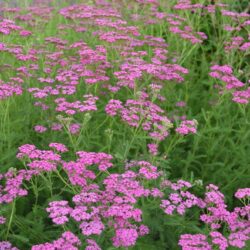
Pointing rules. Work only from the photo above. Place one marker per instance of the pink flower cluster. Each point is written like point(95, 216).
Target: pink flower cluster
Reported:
point(243, 193)
point(215, 215)
point(180, 199)
point(9, 89)
point(237, 42)
point(134, 68)
point(153, 148)
point(14, 181)
point(77, 171)
point(7, 26)
point(92, 245)
point(114, 204)
point(72, 108)
point(242, 96)
point(40, 129)
point(40, 160)
point(196, 241)
point(225, 74)
point(67, 241)
point(59, 147)
point(187, 127)
point(237, 221)
point(146, 169)
point(6, 245)
point(58, 211)
point(186, 32)
point(142, 113)
point(2, 220)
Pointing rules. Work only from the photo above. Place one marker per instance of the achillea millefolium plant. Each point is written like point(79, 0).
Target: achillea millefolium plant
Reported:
point(124, 124)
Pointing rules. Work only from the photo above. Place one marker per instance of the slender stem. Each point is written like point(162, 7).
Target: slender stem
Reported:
point(11, 218)
point(62, 179)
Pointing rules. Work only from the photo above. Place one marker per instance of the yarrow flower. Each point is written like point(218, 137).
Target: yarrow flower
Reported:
point(131, 75)
point(6, 245)
point(92, 245)
point(74, 128)
point(59, 211)
point(187, 127)
point(142, 113)
point(92, 227)
point(67, 241)
point(40, 129)
point(125, 237)
point(180, 199)
point(225, 74)
point(58, 147)
point(2, 220)
point(242, 193)
point(153, 148)
point(196, 241)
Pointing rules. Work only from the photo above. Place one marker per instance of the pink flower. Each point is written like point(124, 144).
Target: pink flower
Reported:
point(153, 149)
point(242, 193)
point(195, 241)
point(67, 241)
point(59, 211)
point(92, 227)
point(40, 129)
point(6, 245)
point(187, 127)
point(56, 126)
point(92, 245)
point(74, 128)
point(125, 237)
point(2, 220)
point(59, 147)
point(25, 33)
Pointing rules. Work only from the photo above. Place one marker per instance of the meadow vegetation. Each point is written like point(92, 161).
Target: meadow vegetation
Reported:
point(124, 124)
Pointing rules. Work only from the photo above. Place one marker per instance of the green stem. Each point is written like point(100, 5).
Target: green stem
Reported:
point(11, 218)
point(62, 179)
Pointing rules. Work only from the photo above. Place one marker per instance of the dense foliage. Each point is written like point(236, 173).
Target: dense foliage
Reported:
point(124, 124)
